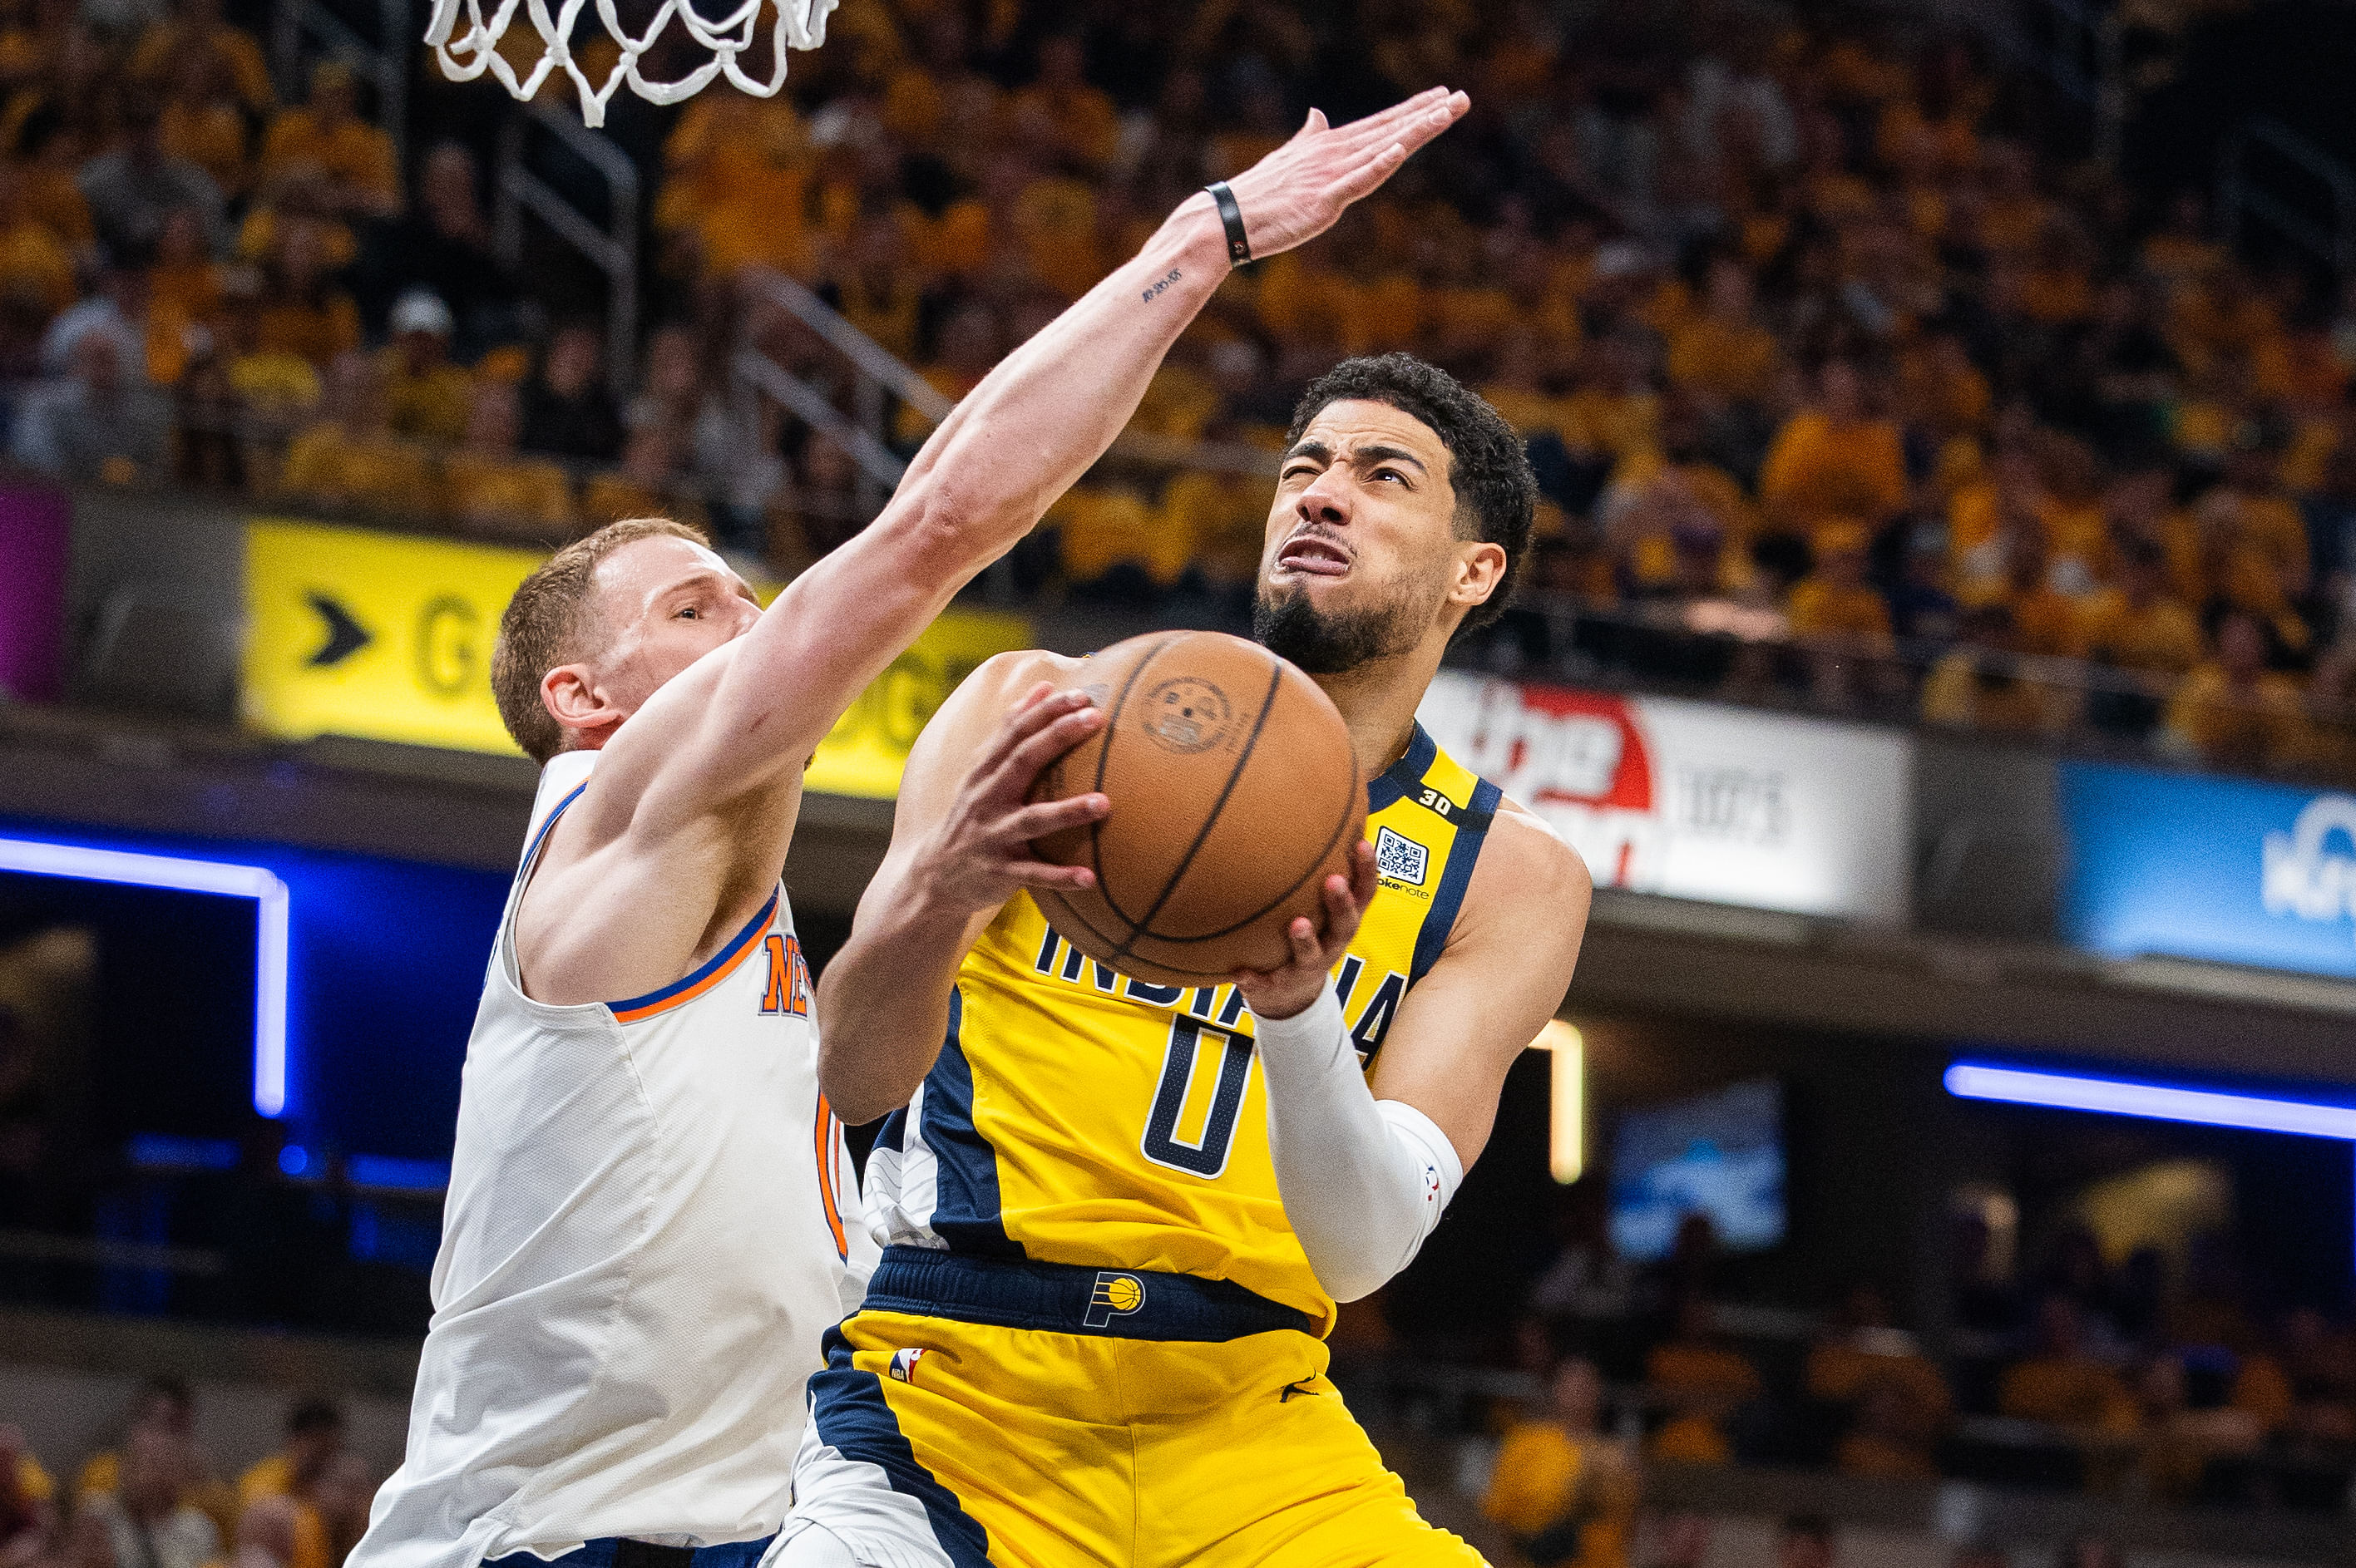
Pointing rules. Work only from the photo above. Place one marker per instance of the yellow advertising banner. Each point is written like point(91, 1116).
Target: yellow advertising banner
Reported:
point(869, 745)
point(386, 637)
point(381, 635)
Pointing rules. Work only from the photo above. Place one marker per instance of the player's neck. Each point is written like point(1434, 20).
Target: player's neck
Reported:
point(1378, 699)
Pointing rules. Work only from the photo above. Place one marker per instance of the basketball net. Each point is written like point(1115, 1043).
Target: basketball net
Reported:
point(800, 23)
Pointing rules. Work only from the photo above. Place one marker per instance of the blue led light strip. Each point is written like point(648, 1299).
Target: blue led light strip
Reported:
point(2159, 1102)
point(82, 863)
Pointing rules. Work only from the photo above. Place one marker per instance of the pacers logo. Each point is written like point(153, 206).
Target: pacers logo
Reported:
point(1116, 1296)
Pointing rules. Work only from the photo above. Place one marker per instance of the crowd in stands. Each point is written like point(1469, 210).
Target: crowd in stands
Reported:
point(151, 1497)
point(2120, 1380)
point(1838, 379)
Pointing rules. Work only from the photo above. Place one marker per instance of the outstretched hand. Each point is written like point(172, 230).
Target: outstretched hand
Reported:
point(1297, 191)
point(1280, 993)
point(981, 853)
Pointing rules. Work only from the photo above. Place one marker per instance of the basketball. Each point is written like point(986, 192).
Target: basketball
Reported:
point(1234, 794)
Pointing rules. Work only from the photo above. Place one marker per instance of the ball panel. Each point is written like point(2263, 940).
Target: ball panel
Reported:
point(1290, 809)
point(1235, 792)
point(1171, 743)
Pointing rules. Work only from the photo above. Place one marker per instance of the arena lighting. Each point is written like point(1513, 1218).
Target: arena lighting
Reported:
point(82, 863)
point(2159, 1102)
point(1566, 1123)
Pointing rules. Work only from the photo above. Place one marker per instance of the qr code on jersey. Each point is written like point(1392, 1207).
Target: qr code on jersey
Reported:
point(1399, 858)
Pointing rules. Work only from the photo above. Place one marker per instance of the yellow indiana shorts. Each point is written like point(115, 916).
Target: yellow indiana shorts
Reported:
point(940, 1443)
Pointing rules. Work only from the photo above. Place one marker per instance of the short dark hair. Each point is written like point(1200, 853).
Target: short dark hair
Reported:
point(1496, 494)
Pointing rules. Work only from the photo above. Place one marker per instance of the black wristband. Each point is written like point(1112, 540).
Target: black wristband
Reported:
point(1232, 216)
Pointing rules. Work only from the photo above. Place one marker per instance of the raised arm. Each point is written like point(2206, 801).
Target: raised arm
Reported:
point(1017, 442)
point(960, 847)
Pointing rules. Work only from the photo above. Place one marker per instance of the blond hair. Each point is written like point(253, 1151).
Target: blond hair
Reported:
point(542, 628)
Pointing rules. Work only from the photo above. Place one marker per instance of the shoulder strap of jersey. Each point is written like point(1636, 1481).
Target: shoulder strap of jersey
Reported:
point(1467, 803)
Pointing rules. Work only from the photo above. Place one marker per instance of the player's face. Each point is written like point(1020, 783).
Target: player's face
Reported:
point(668, 602)
point(1361, 540)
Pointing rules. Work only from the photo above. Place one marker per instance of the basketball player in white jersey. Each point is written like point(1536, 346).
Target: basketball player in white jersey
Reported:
point(645, 1231)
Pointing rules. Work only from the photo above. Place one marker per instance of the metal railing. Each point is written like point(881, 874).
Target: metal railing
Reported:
point(877, 375)
point(877, 378)
point(2250, 165)
point(301, 28)
point(612, 248)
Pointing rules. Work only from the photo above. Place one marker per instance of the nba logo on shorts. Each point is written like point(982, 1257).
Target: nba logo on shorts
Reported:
point(904, 1365)
point(1116, 1296)
point(1399, 857)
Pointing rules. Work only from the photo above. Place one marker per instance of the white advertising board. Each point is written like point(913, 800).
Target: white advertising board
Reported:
point(1695, 800)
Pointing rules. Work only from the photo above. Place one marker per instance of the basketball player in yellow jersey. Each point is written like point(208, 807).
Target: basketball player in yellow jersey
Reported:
point(1118, 1216)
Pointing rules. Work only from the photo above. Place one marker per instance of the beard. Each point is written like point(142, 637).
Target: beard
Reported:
point(1331, 641)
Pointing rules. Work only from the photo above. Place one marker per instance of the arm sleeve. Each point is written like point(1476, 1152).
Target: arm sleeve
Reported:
point(1364, 1180)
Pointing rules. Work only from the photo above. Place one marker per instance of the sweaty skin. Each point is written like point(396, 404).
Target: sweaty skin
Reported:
point(1363, 516)
point(706, 707)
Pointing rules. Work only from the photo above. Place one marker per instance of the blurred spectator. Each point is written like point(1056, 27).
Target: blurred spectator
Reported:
point(442, 245)
point(355, 457)
point(1897, 1401)
point(427, 397)
point(270, 1534)
point(486, 481)
point(164, 1405)
point(280, 1495)
point(2135, 623)
point(28, 1517)
point(148, 1517)
point(344, 1494)
point(303, 311)
point(1834, 461)
point(270, 383)
point(567, 410)
point(1726, 353)
point(1701, 1382)
point(1835, 603)
point(2178, 1440)
point(118, 311)
point(2233, 712)
point(132, 189)
point(35, 267)
point(1978, 1557)
point(102, 425)
point(203, 123)
point(85, 1542)
point(1979, 685)
point(648, 484)
point(1564, 1491)
point(197, 28)
point(327, 138)
point(2059, 1383)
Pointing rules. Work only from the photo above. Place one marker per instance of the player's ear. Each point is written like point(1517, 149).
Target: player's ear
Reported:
point(1480, 572)
point(570, 694)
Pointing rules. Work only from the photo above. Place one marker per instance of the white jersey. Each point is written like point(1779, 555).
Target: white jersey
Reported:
point(652, 1220)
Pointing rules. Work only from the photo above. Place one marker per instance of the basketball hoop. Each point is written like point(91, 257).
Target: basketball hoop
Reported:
point(800, 23)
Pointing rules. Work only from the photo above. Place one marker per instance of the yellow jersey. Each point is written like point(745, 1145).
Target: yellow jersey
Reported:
point(1076, 1115)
